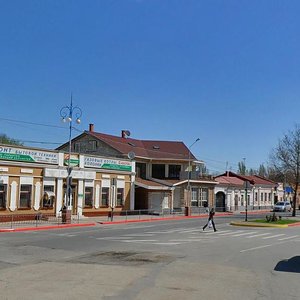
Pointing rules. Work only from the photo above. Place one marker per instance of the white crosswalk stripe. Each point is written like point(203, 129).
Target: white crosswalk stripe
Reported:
point(288, 238)
point(273, 236)
point(257, 235)
point(244, 233)
point(230, 232)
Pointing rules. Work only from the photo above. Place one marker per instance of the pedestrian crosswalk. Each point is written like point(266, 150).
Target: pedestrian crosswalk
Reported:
point(177, 236)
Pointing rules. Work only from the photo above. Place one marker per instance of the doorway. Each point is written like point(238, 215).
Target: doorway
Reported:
point(220, 201)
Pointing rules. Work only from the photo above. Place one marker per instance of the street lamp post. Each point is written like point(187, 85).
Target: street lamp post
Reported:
point(67, 113)
point(188, 183)
point(247, 186)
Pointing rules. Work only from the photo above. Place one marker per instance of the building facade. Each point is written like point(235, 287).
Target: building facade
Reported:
point(35, 180)
point(236, 192)
point(165, 170)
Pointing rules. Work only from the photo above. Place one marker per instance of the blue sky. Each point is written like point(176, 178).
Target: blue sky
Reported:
point(224, 71)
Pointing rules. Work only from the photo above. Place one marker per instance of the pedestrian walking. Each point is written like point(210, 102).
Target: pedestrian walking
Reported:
point(210, 220)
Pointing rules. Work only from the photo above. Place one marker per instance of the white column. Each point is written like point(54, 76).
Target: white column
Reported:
point(132, 187)
point(59, 196)
point(81, 161)
point(37, 196)
point(13, 196)
point(97, 196)
point(80, 197)
point(61, 157)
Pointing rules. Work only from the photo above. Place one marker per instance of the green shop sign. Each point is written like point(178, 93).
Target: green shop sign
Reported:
point(74, 160)
point(27, 155)
point(110, 164)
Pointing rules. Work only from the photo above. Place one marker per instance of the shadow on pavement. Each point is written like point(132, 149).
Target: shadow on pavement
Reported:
point(289, 265)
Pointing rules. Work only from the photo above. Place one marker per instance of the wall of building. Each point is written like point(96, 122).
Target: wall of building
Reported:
point(30, 177)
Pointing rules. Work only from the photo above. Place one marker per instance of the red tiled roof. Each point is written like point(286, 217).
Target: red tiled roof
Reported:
point(230, 180)
point(146, 148)
point(253, 179)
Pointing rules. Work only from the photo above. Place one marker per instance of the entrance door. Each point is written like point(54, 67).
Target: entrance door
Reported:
point(158, 201)
point(220, 201)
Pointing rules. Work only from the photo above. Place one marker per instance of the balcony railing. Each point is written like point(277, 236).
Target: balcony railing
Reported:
point(195, 175)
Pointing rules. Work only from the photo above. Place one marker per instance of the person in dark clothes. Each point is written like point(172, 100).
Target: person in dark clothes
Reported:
point(211, 219)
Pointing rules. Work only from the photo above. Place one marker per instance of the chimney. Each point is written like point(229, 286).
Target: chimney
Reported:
point(91, 127)
point(123, 134)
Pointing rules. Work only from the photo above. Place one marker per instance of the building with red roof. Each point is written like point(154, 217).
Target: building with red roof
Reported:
point(163, 169)
point(230, 194)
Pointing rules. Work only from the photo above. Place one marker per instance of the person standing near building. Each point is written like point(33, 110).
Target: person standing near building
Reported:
point(210, 220)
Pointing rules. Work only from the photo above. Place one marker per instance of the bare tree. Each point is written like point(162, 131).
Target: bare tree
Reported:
point(285, 159)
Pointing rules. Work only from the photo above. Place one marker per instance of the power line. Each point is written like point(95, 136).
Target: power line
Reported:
point(32, 123)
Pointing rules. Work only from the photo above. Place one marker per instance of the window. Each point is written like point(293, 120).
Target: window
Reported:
point(174, 171)
point(93, 145)
point(120, 196)
point(48, 200)
point(141, 170)
point(269, 197)
point(25, 195)
point(88, 196)
point(158, 171)
point(194, 198)
point(256, 196)
point(2, 196)
point(199, 197)
point(105, 196)
point(261, 197)
point(77, 147)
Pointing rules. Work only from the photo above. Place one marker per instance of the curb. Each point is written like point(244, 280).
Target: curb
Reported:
point(160, 219)
point(256, 212)
point(47, 227)
point(254, 224)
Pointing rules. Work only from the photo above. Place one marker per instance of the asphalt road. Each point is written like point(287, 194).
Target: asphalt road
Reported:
point(155, 260)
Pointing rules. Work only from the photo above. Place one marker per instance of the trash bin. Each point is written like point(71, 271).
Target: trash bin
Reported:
point(66, 216)
point(187, 211)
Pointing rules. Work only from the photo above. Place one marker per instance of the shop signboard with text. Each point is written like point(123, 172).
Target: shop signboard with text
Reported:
point(106, 163)
point(28, 155)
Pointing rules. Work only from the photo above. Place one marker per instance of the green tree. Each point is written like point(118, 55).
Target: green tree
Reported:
point(4, 139)
point(285, 160)
point(242, 168)
point(262, 171)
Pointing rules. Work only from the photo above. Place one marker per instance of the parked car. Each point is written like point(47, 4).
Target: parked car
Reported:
point(282, 206)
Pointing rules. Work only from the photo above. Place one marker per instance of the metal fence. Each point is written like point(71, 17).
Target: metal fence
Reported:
point(32, 220)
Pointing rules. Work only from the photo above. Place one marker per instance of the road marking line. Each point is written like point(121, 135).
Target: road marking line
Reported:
point(137, 235)
point(231, 232)
point(137, 241)
point(166, 244)
point(273, 236)
point(257, 235)
point(245, 233)
point(191, 230)
point(255, 248)
point(112, 238)
point(179, 240)
point(287, 238)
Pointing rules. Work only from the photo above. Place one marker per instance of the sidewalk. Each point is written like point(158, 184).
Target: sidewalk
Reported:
point(117, 219)
point(102, 220)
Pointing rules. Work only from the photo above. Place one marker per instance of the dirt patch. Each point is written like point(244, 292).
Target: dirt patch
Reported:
point(123, 258)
